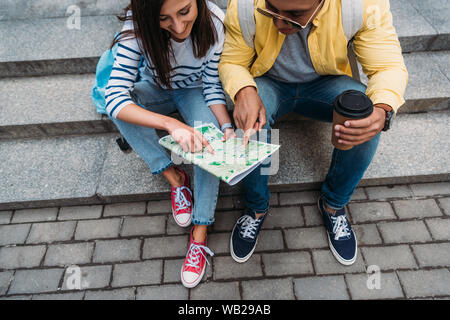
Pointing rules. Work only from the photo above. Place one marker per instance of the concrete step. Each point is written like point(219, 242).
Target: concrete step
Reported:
point(91, 169)
point(43, 9)
point(61, 105)
point(45, 45)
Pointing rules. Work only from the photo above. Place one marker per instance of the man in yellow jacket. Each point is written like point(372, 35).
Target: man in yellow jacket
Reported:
point(299, 63)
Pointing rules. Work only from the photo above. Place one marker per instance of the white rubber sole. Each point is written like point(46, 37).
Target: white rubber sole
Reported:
point(196, 282)
point(338, 257)
point(237, 259)
point(180, 224)
point(334, 252)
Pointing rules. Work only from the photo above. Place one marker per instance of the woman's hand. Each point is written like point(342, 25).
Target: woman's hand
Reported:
point(229, 133)
point(188, 138)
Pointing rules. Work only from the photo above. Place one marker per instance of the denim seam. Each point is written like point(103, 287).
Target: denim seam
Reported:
point(163, 168)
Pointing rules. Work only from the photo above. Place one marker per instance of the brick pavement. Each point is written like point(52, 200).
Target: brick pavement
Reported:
point(135, 250)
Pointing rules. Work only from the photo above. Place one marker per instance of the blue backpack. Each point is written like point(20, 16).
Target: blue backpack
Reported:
point(102, 74)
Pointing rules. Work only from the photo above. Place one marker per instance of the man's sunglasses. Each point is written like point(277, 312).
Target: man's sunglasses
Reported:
point(289, 22)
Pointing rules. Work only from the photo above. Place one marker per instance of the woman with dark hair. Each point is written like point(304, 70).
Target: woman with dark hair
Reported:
point(181, 42)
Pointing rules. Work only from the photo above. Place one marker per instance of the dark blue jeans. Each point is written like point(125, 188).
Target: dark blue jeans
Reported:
point(313, 100)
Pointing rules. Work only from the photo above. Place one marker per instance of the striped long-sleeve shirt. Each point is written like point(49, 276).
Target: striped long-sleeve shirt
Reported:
point(187, 71)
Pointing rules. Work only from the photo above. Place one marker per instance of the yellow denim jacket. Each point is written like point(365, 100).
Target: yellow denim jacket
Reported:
point(376, 46)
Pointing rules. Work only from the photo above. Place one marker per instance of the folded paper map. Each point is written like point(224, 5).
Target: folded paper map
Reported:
point(231, 162)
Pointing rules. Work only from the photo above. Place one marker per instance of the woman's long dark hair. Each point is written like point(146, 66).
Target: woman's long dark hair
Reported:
point(156, 41)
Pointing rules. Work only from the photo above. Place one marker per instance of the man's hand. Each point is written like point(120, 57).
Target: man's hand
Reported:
point(355, 132)
point(249, 112)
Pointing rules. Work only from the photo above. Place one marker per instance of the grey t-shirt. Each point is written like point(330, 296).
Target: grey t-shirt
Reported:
point(293, 64)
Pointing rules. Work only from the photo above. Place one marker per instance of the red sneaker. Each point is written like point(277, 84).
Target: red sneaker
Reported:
point(194, 265)
point(182, 201)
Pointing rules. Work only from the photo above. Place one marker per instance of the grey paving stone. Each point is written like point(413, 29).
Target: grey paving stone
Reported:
point(172, 269)
point(227, 268)
point(5, 279)
point(303, 197)
point(69, 254)
point(359, 194)
point(118, 294)
point(165, 247)
point(367, 234)
point(386, 192)
point(117, 250)
point(445, 205)
point(363, 287)
point(290, 263)
point(51, 232)
point(80, 212)
point(60, 296)
point(174, 229)
point(35, 281)
point(439, 228)
point(268, 240)
point(312, 216)
point(321, 288)
point(216, 291)
point(284, 217)
point(306, 238)
point(123, 209)
point(220, 242)
point(238, 202)
point(139, 273)
point(34, 215)
point(404, 232)
point(164, 292)
point(78, 159)
point(5, 217)
point(143, 226)
point(431, 189)
point(273, 201)
point(425, 283)
point(273, 289)
point(432, 254)
point(97, 229)
point(406, 209)
point(21, 257)
point(92, 277)
point(390, 258)
point(371, 211)
point(159, 206)
point(17, 298)
point(226, 220)
point(13, 234)
point(326, 263)
point(225, 203)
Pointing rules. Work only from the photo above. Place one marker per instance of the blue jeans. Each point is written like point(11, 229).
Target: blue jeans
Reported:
point(191, 104)
point(313, 100)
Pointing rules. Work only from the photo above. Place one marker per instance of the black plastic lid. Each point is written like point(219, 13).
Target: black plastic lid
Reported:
point(353, 104)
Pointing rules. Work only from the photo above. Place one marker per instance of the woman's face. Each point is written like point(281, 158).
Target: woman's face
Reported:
point(178, 17)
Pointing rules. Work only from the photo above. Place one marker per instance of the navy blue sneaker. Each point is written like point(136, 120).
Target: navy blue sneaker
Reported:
point(245, 236)
point(341, 237)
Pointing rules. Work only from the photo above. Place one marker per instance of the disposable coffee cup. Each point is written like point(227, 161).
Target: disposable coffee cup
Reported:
point(349, 105)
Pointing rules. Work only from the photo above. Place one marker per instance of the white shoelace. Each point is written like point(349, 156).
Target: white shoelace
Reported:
point(249, 226)
point(180, 198)
point(340, 227)
point(194, 252)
